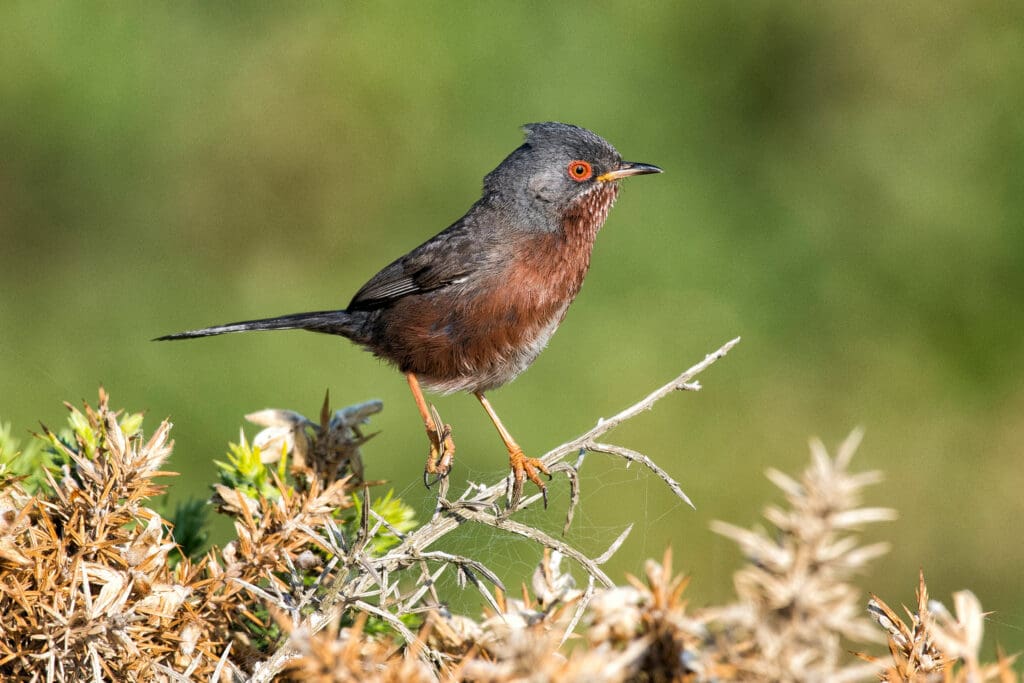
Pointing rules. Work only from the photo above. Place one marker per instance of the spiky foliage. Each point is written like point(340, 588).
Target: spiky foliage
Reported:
point(321, 584)
point(86, 585)
point(640, 632)
point(796, 603)
point(31, 463)
point(89, 589)
point(517, 639)
point(337, 655)
point(289, 522)
point(653, 614)
point(937, 646)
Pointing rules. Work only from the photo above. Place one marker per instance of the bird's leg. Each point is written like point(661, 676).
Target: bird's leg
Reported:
point(523, 468)
point(442, 448)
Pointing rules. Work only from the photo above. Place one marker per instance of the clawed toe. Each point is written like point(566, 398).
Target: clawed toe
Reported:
point(431, 478)
point(442, 450)
point(524, 468)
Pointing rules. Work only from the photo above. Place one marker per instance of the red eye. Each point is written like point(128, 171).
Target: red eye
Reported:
point(580, 171)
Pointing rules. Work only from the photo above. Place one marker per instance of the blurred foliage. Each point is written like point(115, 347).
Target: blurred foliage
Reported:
point(245, 470)
point(843, 188)
point(189, 521)
point(38, 460)
point(29, 463)
point(399, 517)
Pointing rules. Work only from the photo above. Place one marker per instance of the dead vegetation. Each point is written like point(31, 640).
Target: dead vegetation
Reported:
point(323, 583)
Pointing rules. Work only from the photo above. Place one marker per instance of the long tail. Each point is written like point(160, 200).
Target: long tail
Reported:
point(329, 322)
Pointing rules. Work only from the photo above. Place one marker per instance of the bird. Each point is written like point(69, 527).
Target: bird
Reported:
point(472, 307)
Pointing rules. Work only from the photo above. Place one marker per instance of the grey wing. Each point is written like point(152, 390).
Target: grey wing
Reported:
point(439, 262)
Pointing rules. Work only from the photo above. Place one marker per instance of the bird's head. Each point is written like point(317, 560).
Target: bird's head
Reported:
point(556, 167)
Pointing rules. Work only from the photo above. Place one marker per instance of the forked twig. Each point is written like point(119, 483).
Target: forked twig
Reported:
point(479, 504)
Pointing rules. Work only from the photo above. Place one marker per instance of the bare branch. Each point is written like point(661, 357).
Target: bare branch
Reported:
point(442, 523)
point(634, 456)
point(479, 504)
point(614, 547)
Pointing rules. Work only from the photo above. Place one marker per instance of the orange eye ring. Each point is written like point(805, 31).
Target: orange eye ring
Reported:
point(580, 170)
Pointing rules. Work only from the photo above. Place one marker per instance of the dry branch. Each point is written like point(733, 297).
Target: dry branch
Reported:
point(480, 504)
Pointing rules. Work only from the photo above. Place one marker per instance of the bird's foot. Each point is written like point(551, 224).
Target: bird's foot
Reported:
point(524, 468)
point(442, 450)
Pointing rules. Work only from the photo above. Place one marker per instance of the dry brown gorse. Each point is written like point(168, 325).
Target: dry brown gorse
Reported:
point(935, 645)
point(324, 582)
point(796, 604)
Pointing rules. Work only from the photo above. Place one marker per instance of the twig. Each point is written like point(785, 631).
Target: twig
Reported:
point(427, 654)
point(578, 612)
point(443, 524)
point(614, 547)
point(572, 473)
point(538, 536)
point(634, 456)
point(473, 506)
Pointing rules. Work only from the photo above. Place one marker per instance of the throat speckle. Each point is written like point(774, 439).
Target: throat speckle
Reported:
point(548, 268)
point(585, 216)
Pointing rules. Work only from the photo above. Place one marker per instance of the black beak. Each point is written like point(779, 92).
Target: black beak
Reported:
point(626, 169)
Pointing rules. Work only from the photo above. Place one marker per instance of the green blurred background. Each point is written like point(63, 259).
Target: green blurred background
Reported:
point(843, 189)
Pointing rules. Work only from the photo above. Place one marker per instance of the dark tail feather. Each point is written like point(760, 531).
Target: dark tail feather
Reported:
point(328, 322)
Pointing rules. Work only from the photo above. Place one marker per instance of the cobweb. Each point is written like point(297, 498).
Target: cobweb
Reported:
point(612, 498)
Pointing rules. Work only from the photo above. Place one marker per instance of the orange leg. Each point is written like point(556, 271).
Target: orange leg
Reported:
point(523, 468)
point(442, 448)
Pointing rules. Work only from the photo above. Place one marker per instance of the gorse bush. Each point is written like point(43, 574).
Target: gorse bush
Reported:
point(323, 581)
point(97, 584)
